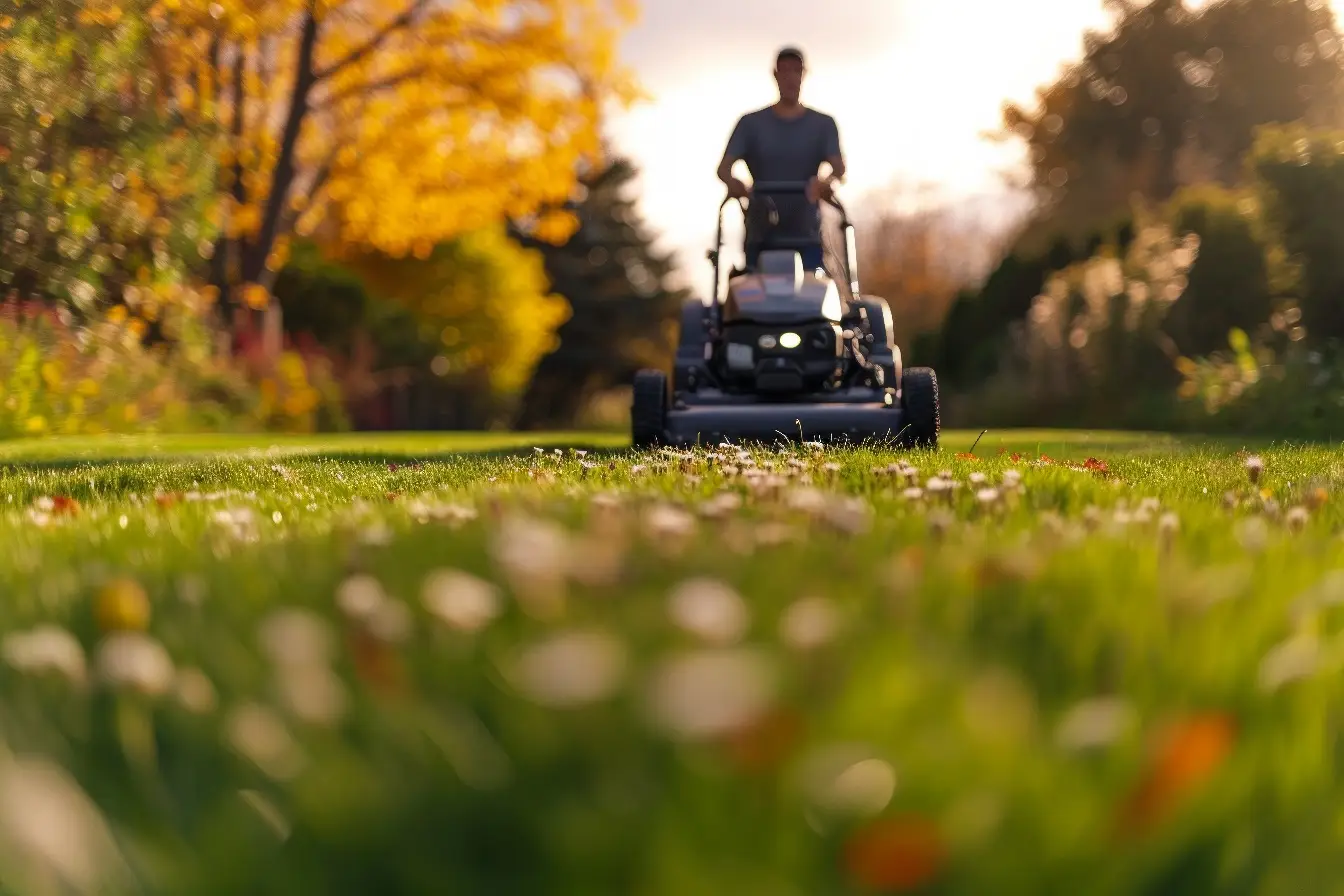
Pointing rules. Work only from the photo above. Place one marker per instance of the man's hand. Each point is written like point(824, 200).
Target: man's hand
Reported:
point(818, 189)
point(737, 189)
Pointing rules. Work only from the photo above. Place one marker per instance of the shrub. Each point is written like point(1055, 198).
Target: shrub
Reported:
point(1275, 385)
point(1241, 274)
point(57, 378)
point(1092, 349)
point(1299, 175)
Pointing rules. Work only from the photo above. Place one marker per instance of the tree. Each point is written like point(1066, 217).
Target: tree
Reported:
point(390, 125)
point(102, 193)
point(481, 301)
point(1170, 97)
point(917, 255)
point(624, 317)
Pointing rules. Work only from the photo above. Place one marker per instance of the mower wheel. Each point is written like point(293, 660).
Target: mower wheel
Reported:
point(648, 409)
point(919, 400)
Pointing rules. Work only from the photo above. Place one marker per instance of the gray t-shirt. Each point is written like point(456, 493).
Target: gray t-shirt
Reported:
point(784, 149)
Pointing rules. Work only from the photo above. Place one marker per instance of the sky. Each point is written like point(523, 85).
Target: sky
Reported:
point(913, 84)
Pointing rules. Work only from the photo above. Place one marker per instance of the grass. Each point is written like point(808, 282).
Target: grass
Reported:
point(70, 450)
point(411, 663)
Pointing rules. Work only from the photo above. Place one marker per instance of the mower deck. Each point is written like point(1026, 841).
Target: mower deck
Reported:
point(792, 421)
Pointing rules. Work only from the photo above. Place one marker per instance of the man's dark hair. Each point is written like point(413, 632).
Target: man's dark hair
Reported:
point(790, 53)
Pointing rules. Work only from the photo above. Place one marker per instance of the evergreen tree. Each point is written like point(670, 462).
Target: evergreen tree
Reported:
point(623, 314)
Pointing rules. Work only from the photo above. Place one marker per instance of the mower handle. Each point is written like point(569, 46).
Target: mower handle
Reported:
point(786, 188)
point(780, 187)
point(768, 187)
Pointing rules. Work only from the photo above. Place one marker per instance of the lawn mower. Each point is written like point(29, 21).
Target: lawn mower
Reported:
point(787, 353)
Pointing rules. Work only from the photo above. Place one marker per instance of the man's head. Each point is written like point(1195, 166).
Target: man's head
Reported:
point(789, 70)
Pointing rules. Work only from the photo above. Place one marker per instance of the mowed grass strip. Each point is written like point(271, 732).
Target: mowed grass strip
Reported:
point(1103, 663)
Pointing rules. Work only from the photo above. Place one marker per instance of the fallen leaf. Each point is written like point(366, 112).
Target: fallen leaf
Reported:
point(895, 854)
point(766, 743)
point(1186, 757)
point(376, 663)
point(62, 504)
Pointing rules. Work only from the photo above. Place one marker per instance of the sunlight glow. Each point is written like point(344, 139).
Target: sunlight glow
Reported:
point(912, 102)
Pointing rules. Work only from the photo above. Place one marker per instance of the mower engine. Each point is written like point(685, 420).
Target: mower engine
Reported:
point(781, 328)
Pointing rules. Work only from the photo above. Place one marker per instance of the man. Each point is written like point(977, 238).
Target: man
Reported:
point(785, 142)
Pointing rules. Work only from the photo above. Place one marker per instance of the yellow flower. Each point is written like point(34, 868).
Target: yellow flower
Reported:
point(117, 314)
point(255, 296)
point(301, 402)
point(131, 412)
point(292, 368)
point(88, 387)
point(122, 605)
point(36, 424)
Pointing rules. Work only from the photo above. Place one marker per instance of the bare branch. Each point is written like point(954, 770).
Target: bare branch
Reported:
point(289, 216)
point(364, 91)
point(371, 46)
point(238, 123)
point(282, 176)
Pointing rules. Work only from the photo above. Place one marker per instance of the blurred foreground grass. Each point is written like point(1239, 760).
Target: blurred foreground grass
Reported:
point(461, 664)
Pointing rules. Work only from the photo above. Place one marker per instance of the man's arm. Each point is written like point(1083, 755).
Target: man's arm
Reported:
point(834, 156)
point(732, 154)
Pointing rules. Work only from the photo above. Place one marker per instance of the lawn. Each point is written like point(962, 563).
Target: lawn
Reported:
point(514, 664)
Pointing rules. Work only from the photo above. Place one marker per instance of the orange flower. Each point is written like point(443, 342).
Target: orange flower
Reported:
point(1187, 756)
point(967, 456)
point(895, 854)
point(62, 504)
point(1096, 466)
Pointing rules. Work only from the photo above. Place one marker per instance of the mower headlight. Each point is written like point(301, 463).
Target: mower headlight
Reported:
point(790, 340)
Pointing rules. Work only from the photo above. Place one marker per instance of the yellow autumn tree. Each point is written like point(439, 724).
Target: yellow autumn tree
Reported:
point(486, 297)
point(390, 126)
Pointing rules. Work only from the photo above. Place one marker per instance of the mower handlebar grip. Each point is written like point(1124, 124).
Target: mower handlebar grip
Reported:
point(780, 187)
point(783, 188)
